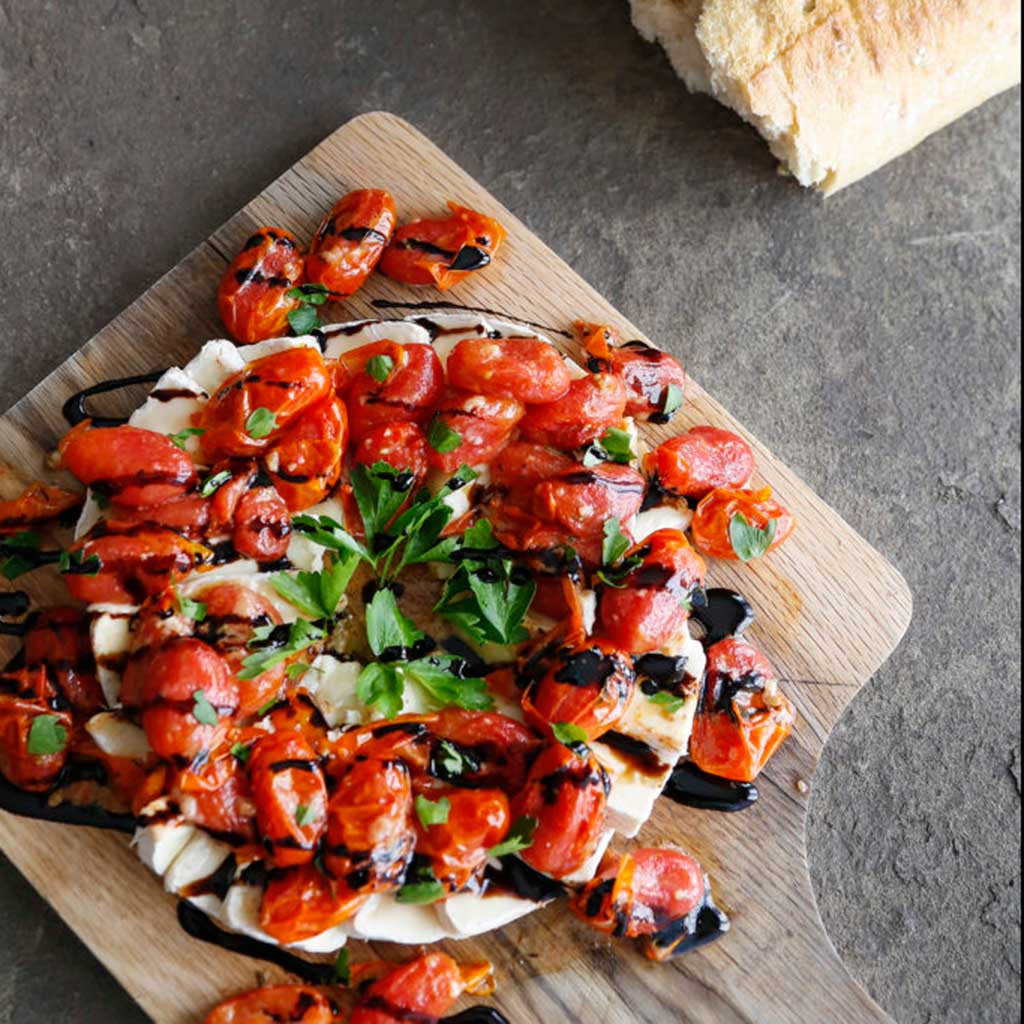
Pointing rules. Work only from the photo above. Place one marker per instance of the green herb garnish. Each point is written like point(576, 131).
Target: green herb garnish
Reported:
point(260, 424)
point(180, 439)
point(442, 438)
point(380, 367)
point(673, 401)
point(433, 812)
point(214, 483)
point(749, 541)
point(190, 609)
point(519, 838)
point(46, 736)
point(202, 710)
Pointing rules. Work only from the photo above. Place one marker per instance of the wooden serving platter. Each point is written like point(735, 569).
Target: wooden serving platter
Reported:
point(830, 611)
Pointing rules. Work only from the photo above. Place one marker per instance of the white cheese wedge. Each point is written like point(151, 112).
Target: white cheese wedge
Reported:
point(587, 872)
point(272, 346)
point(663, 517)
point(466, 914)
point(90, 515)
point(111, 635)
point(246, 573)
point(172, 415)
point(385, 919)
point(215, 362)
point(198, 860)
point(302, 552)
point(158, 845)
point(332, 685)
point(116, 736)
point(342, 338)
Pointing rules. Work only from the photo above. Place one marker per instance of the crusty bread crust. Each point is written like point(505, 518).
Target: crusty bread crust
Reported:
point(840, 87)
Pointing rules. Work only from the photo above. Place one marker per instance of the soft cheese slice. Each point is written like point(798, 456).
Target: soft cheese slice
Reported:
point(111, 637)
point(171, 415)
point(342, 338)
point(116, 736)
point(200, 858)
point(158, 845)
point(331, 683)
point(663, 517)
point(467, 914)
point(385, 919)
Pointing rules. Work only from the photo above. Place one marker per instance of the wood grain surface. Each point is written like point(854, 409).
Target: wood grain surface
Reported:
point(830, 611)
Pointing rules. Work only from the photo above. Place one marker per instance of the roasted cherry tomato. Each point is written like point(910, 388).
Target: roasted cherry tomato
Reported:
point(443, 251)
point(350, 240)
point(216, 796)
point(520, 466)
point(701, 460)
point(527, 532)
point(188, 698)
point(592, 405)
point(528, 369)
point(302, 902)
point(58, 638)
point(253, 298)
point(296, 1004)
point(38, 503)
point(470, 429)
point(403, 446)
point(251, 410)
point(188, 516)
point(589, 687)
point(584, 499)
point(34, 730)
point(652, 605)
point(641, 893)
point(135, 467)
point(263, 526)
point(743, 716)
point(385, 382)
point(291, 797)
point(306, 462)
point(422, 990)
point(370, 835)
point(647, 372)
point(128, 568)
point(712, 522)
point(300, 714)
point(457, 847)
point(567, 794)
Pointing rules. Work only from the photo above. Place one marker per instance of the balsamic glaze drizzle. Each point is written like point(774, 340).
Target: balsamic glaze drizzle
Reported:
point(75, 411)
point(438, 306)
point(704, 924)
point(476, 1015)
point(690, 786)
point(724, 613)
point(36, 805)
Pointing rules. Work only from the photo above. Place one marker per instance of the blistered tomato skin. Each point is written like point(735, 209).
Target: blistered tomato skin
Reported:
point(297, 1004)
point(715, 513)
point(526, 369)
point(700, 461)
point(58, 638)
point(253, 298)
point(445, 251)
point(38, 503)
point(583, 499)
point(216, 796)
point(424, 989)
point(26, 696)
point(263, 525)
point(302, 902)
point(520, 466)
point(137, 468)
point(567, 793)
point(502, 747)
point(305, 463)
point(477, 425)
point(350, 240)
point(743, 717)
point(651, 607)
point(592, 405)
point(403, 446)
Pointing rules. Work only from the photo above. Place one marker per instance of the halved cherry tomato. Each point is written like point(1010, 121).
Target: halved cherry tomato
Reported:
point(443, 251)
point(370, 835)
point(652, 605)
point(291, 797)
point(306, 462)
point(641, 893)
point(58, 638)
point(350, 240)
point(302, 902)
point(589, 687)
point(137, 468)
point(253, 296)
point(519, 467)
point(583, 499)
point(403, 446)
point(296, 1004)
point(412, 386)
point(701, 460)
point(524, 531)
point(38, 503)
point(715, 513)
point(477, 820)
point(477, 425)
point(34, 730)
point(251, 410)
point(188, 516)
point(527, 369)
point(263, 526)
point(186, 679)
point(743, 716)
point(131, 567)
point(300, 714)
point(567, 794)
point(592, 405)
point(216, 796)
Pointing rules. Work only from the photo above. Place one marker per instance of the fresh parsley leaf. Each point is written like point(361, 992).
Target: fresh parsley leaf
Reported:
point(180, 439)
point(425, 889)
point(673, 401)
point(749, 541)
point(442, 438)
point(296, 671)
point(306, 815)
point(46, 736)
point(268, 707)
point(329, 533)
point(380, 491)
point(16, 565)
point(260, 424)
point(303, 320)
point(214, 483)
point(241, 753)
point(387, 629)
point(669, 701)
point(202, 710)
point(76, 564)
point(317, 594)
point(342, 969)
point(301, 635)
point(617, 445)
point(444, 688)
point(381, 687)
point(310, 294)
point(194, 610)
point(569, 734)
point(616, 543)
point(380, 367)
point(433, 812)
point(452, 760)
point(520, 837)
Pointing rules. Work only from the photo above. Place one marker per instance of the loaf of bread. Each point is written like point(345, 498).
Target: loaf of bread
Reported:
point(840, 87)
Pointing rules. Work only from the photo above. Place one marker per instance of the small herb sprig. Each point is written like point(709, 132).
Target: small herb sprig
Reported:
point(304, 318)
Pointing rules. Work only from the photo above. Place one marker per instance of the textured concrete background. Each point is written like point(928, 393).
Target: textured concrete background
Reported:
point(872, 341)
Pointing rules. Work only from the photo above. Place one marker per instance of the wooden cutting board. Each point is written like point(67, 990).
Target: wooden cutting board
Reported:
point(830, 611)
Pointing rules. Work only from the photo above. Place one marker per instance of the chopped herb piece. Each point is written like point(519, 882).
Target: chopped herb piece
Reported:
point(268, 707)
point(445, 688)
point(306, 815)
point(301, 635)
point(16, 565)
point(46, 736)
point(380, 367)
point(303, 320)
point(749, 541)
point(616, 543)
point(202, 710)
point(76, 564)
point(214, 483)
point(453, 761)
point(617, 445)
point(673, 401)
point(442, 438)
point(342, 969)
point(180, 439)
point(669, 701)
point(260, 424)
point(569, 734)
point(433, 812)
point(194, 610)
point(310, 294)
point(297, 671)
point(241, 753)
point(520, 837)
point(424, 889)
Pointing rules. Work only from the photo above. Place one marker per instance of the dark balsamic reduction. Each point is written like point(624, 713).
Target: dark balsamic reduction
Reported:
point(641, 756)
point(724, 613)
point(37, 806)
point(74, 409)
point(13, 606)
point(200, 926)
point(701, 926)
point(692, 787)
point(439, 306)
point(517, 877)
point(476, 1015)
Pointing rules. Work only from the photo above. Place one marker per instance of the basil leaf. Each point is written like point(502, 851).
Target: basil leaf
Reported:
point(46, 736)
point(569, 734)
point(381, 687)
point(202, 710)
point(310, 294)
point(303, 320)
point(442, 438)
point(673, 401)
point(214, 483)
point(669, 701)
point(617, 445)
point(387, 629)
point(194, 610)
point(180, 439)
point(433, 812)
point(260, 424)
point(520, 837)
point(616, 543)
point(749, 541)
point(380, 367)
point(424, 889)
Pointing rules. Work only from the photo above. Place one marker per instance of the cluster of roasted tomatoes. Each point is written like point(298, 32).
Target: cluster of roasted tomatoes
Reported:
point(271, 279)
